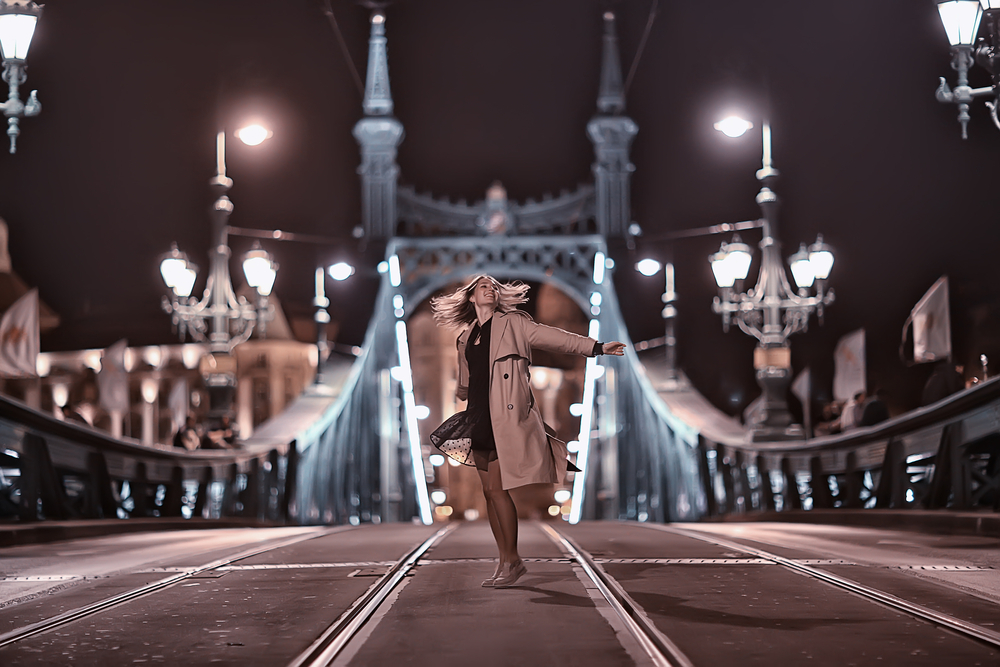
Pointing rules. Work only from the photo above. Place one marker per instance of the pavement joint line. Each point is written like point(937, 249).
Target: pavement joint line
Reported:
point(913, 609)
point(944, 568)
point(660, 648)
point(373, 563)
point(451, 561)
point(81, 612)
point(715, 561)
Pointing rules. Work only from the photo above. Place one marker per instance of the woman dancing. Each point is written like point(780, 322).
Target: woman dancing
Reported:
point(501, 432)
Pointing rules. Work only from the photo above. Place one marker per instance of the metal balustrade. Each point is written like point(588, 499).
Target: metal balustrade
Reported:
point(60, 470)
point(943, 456)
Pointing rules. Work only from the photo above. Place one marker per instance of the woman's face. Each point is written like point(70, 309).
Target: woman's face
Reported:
point(485, 293)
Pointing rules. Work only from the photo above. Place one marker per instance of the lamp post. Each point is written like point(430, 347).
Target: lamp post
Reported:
point(340, 271)
point(771, 311)
point(961, 19)
point(220, 319)
point(17, 27)
point(650, 267)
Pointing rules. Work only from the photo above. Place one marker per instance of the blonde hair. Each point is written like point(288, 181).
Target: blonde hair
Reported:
point(455, 310)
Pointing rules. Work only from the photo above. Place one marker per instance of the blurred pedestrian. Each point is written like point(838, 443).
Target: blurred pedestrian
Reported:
point(851, 414)
point(188, 436)
point(945, 380)
point(874, 411)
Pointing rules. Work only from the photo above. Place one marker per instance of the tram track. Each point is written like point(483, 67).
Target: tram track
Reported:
point(966, 629)
point(325, 649)
point(660, 649)
point(53, 622)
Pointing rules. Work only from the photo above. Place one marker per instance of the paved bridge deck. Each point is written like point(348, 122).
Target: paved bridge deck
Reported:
point(748, 594)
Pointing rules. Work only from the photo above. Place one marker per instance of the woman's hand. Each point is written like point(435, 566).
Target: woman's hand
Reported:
point(616, 348)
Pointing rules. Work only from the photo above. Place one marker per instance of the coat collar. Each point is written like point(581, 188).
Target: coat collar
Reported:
point(499, 326)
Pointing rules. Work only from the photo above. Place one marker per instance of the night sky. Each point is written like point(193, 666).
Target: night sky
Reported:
point(117, 165)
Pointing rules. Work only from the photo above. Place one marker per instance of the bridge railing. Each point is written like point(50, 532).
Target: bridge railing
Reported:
point(946, 455)
point(59, 470)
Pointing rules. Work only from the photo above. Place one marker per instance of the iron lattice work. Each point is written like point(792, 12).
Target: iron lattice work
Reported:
point(643, 461)
point(569, 213)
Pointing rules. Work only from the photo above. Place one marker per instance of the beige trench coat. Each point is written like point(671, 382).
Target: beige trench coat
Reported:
point(526, 455)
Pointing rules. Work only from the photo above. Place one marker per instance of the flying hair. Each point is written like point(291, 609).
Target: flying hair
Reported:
point(454, 310)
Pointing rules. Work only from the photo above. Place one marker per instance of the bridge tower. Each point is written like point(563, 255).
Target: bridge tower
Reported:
point(368, 459)
point(611, 132)
point(378, 135)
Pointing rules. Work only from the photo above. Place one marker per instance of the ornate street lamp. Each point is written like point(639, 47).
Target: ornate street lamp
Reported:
point(220, 318)
point(771, 311)
point(17, 27)
point(961, 19)
point(650, 267)
point(340, 271)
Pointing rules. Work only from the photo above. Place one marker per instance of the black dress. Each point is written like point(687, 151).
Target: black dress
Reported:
point(477, 353)
point(467, 436)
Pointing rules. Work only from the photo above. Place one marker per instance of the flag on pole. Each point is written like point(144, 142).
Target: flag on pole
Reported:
point(849, 366)
point(19, 336)
point(112, 381)
point(802, 390)
point(931, 324)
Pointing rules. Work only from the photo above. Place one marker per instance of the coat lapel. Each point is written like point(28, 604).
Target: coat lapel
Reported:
point(499, 326)
point(463, 338)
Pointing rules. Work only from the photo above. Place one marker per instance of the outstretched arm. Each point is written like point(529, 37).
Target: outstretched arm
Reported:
point(557, 340)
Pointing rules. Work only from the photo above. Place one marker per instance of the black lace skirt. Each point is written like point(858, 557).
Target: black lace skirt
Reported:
point(454, 438)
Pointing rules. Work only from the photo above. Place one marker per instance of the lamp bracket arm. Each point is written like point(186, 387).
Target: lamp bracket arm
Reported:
point(237, 304)
point(993, 110)
point(786, 287)
point(242, 337)
point(943, 92)
point(796, 320)
point(32, 107)
point(748, 328)
point(985, 91)
point(206, 297)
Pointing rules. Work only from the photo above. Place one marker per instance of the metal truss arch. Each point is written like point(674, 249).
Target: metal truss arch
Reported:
point(428, 265)
point(367, 461)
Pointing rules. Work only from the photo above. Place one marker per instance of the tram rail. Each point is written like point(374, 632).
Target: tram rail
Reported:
point(336, 637)
point(661, 650)
point(965, 628)
point(105, 604)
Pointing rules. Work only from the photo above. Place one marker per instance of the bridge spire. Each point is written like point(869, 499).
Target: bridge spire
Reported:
point(611, 96)
point(378, 134)
point(611, 133)
point(378, 97)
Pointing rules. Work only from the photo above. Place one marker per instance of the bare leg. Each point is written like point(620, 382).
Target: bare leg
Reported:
point(497, 534)
point(505, 511)
point(511, 566)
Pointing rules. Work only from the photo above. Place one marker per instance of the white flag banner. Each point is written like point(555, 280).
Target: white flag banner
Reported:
point(178, 403)
point(802, 390)
point(802, 386)
point(112, 381)
point(849, 366)
point(931, 324)
point(19, 336)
